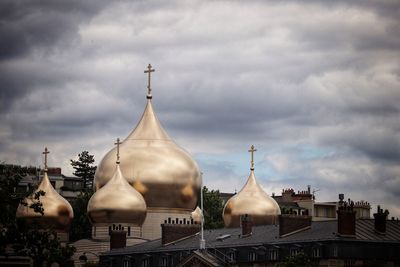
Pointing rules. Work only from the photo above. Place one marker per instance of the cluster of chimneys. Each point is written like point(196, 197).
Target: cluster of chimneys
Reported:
point(288, 190)
point(179, 221)
point(303, 192)
point(362, 203)
point(291, 191)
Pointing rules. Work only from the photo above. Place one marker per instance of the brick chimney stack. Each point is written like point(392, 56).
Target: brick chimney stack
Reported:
point(173, 230)
point(346, 218)
point(380, 220)
point(290, 224)
point(117, 239)
point(246, 223)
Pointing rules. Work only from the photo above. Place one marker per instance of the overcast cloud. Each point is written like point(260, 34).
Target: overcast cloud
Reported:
point(313, 85)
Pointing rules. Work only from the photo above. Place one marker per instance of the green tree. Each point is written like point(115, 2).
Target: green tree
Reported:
point(212, 204)
point(27, 240)
point(84, 169)
point(81, 227)
point(300, 260)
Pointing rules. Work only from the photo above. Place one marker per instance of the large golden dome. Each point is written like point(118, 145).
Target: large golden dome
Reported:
point(116, 202)
point(251, 200)
point(164, 173)
point(58, 213)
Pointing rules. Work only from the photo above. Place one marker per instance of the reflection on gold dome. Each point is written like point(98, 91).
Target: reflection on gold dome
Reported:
point(58, 213)
point(251, 200)
point(165, 174)
point(196, 215)
point(117, 202)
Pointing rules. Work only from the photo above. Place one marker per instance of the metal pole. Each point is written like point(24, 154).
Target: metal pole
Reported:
point(202, 241)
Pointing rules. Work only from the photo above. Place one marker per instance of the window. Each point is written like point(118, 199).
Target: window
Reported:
point(316, 252)
point(164, 261)
point(335, 251)
point(252, 256)
point(126, 263)
point(232, 256)
point(273, 255)
point(294, 252)
point(349, 263)
point(145, 263)
point(129, 231)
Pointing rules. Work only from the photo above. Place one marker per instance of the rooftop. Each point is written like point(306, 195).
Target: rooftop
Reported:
point(269, 234)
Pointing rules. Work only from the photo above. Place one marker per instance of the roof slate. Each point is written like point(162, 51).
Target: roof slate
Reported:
point(269, 234)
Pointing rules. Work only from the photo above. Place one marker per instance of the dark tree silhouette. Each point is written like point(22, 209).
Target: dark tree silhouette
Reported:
point(212, 203)
point(84, 169)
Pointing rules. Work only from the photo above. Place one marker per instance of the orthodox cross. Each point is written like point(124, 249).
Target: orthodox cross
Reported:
point(252, 150)
point(117, 143)
point(45, 152)
point(149, 71)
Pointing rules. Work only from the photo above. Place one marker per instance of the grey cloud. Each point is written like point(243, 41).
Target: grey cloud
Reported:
point(227, 75)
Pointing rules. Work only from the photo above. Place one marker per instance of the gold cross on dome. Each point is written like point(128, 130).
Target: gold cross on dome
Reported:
point(118, 143)
point(149, 71)
point(252, 150)
point(45, 152)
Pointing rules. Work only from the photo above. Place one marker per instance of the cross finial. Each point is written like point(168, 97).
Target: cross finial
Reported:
point(45, 152)
point(118, 143)
point(149, 71)
point(252, 150)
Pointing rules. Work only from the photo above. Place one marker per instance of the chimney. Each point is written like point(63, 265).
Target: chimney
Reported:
point(380, 220)
point(346, 219)
point(171, 231)
point(117, 239)
point(246, 223)
point(290, 224)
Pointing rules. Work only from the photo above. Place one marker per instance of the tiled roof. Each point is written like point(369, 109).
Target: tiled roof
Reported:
point(269, 234)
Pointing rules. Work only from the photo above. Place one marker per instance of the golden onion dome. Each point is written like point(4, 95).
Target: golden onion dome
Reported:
point(251, 200)
point(164, 173)
point(117, 202)
point(57, 212)
point(196, 215)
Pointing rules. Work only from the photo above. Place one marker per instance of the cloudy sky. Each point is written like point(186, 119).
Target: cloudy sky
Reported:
point(315, 86)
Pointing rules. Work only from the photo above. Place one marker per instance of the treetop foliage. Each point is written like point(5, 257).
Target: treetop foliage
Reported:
point(212, 205)
point(84, 168)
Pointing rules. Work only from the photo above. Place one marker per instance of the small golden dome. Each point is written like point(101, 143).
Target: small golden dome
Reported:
point(117, 202)
point(196, 215)
point(58, 213)
point(251, 200)
point(164, 173)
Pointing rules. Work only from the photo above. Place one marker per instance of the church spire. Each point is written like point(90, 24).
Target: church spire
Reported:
point(149, 71)
point(252, 150)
